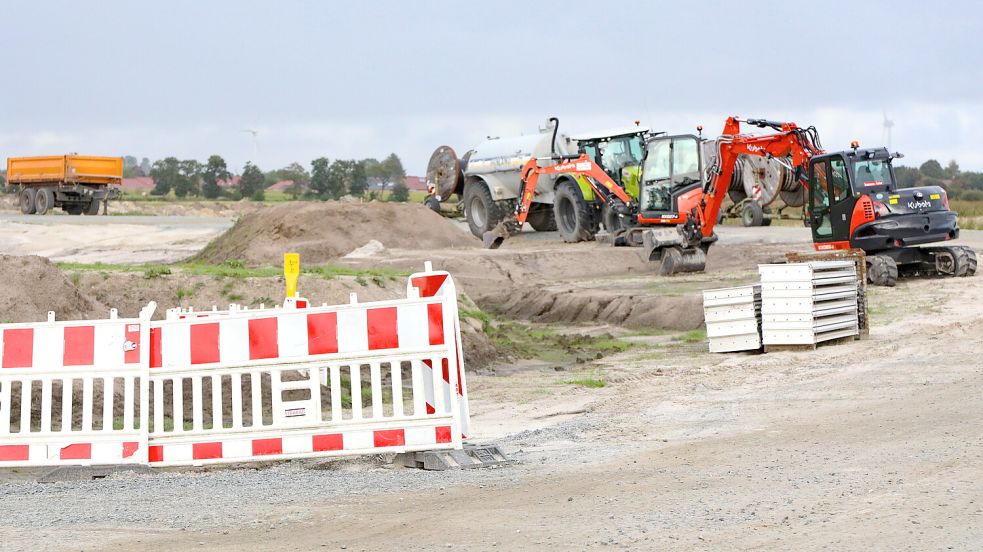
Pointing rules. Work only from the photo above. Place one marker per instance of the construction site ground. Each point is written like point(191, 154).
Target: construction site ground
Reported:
point(627, 433)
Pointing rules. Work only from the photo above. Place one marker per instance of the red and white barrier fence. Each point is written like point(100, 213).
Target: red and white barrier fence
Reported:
point(240, 385)
point(73, 392)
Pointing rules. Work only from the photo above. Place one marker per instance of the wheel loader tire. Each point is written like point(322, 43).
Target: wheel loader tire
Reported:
point(541, 218)
point(611, 221)
point(882, 271)
point(92, 208)
point(44, 201)
point(27, 205)
point(574, 218)
point(752, 215)
point(970, 261)
point(432, 203)
point(481, 211)
point(672, 258)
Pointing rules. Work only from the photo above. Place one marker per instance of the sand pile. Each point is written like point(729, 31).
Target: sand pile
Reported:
point(32, 286)
point(324, 231)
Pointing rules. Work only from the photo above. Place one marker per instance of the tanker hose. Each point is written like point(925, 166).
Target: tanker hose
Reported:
point(556, 127)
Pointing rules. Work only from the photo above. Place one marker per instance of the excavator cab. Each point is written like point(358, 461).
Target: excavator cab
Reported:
point(672, 179)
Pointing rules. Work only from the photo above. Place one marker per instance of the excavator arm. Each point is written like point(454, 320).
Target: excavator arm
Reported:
point(602, 185)
point(789, 141)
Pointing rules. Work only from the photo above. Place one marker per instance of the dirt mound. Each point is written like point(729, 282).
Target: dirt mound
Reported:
point(322, 232)
point(580, 306)
point(32, 286)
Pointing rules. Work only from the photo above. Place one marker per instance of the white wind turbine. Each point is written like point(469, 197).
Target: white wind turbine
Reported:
point(255, 133)
point(888, 125)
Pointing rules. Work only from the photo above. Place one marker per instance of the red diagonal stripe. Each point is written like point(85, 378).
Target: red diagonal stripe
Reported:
point(429, 285)
point(78, 451)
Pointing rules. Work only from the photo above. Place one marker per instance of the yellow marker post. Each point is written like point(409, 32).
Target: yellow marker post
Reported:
point(291, 272)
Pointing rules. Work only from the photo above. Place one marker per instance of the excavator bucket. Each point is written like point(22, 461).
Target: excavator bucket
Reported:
point(494, 238)
point(676, 260)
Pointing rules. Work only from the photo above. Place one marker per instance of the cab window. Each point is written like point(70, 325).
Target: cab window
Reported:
point(839, 183)
point(685, 160)
point(657, 161)
point(872, 173)
point(820, 184)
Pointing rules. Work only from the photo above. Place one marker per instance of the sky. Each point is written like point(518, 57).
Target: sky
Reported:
point(363, 79)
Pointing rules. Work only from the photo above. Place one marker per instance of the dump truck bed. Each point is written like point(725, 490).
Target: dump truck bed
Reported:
point(69, 169)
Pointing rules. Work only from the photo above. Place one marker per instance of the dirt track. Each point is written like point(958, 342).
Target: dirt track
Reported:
point(871, 444)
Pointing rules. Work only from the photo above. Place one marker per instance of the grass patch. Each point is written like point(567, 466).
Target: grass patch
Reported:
point(182, 293)
point(589, 382)
point(692, 336)
point(235, 268)
point(544, 343)
point(477, 315)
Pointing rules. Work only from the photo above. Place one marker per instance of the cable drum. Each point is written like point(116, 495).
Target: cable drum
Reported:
point(444, 172)
point(735, 191)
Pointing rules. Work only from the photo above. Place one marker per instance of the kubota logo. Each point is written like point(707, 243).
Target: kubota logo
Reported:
point(752, 147)
point(919, 204)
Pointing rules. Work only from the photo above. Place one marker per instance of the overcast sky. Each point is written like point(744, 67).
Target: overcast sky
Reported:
point(362, 79)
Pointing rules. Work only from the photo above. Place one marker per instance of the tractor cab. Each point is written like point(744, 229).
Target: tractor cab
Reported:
point(672, 178)
point(854, 201)
point(618, 152)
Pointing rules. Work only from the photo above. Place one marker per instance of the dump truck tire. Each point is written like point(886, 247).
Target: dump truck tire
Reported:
point(44, 201)
point(92, 208)
point(541, 218)
point(74, 208)
point(481, 211)
point(574, 219)
point(882, 271)
point(27, 201)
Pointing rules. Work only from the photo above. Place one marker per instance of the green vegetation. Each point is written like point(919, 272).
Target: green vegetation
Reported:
point(692, 336)
point(182, 293)
point(234, 268)
point(589, 382)
point(545, 343)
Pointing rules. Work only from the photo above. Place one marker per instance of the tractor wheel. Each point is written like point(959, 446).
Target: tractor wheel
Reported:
point(92, 208)
point(752, 215)
point(541, 217)
point(970, 261)
point(481, 211)
point(882, 270)
point(574, 218)
point(44, 201)
point(672, 259)
point(27, 205)
point(611, 221)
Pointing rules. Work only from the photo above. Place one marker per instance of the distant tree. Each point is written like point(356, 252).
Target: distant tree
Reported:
point(400, 193)
point(319, 177)
point(298, 175)
point(214, 171)
point(145, 166)
point(131, 167)
point(952, 169)
point(392, 167)
point(358, 181)
point(338, 176)
point(166, 173)
point(189, 171)
point(251, 180)
point(932, 169)
point(373, 169)
point(907, 176)
point(258, 195)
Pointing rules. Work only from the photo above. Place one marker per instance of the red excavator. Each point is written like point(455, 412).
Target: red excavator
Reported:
point(853, 201)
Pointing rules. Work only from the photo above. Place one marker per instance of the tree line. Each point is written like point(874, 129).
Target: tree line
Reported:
point(967, 185)
point(326, 179)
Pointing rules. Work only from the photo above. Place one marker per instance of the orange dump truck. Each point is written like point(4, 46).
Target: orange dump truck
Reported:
point(76, 183)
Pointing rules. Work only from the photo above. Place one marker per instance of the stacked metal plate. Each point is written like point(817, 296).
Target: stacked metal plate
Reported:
point(733, 318)
point(807, 303)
